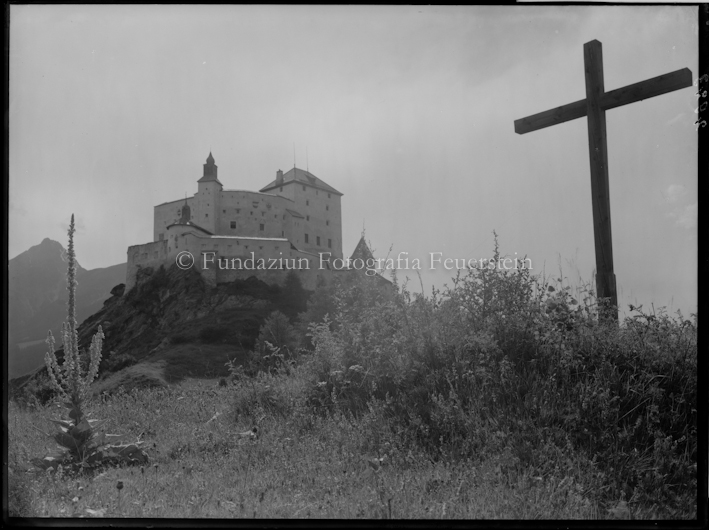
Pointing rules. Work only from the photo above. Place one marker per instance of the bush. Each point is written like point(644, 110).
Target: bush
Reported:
point(117, 362)
point(503, 363)
point(275, 346)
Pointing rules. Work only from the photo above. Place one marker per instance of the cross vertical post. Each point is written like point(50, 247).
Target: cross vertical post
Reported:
point(594, 107)
point(598, 153)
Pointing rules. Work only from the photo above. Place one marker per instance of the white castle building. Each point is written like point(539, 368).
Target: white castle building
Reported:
point(292, 223)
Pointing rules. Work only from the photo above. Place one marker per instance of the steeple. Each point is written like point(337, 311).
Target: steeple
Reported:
point(185, 212)
point(210, 169)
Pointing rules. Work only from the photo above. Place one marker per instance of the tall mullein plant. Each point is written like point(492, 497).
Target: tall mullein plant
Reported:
point(80, 442)
point(68, 380)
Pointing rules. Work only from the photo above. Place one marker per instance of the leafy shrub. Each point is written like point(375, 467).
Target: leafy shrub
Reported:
point(81, 444)
point(118, 362)
point(503, 363)
point(294, 297)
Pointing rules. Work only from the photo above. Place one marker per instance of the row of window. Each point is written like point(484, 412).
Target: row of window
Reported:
point(317, 241)
point(316, 192)
point(263, 214)
point(232, 224)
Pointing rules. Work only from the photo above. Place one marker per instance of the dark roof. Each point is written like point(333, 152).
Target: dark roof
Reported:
point(210, 178)
point(362, 251)
point(190, 223)
point(301, 176)
point(294, 213)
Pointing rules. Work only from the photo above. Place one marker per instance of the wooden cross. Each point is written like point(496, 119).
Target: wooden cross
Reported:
point(595, 105)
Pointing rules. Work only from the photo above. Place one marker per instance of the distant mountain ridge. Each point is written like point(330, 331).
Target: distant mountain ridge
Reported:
point(37, 297)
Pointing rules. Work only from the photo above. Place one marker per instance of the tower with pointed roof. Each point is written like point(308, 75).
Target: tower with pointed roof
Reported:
point(295, 216)
point(208, 194)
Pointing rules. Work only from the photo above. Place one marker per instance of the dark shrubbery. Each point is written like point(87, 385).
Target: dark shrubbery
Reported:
point(181, 338)
point(505, 364)
point(212, 334)
point(118, 362)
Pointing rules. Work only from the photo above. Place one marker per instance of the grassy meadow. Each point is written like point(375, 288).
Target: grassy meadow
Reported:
point(503, 397)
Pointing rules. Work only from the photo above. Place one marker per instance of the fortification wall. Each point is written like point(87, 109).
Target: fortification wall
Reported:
point(151, 254)
point(224, 259)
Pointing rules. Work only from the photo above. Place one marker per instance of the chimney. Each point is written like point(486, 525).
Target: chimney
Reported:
point(279, 178)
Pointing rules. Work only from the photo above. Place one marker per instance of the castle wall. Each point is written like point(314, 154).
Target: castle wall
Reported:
point(206, 213)
point(250, 213)
point(267, 224)
point(224, 259)
point(148, 255)
point(323, 217)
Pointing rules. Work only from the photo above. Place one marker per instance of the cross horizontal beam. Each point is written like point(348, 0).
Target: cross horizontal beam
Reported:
point(615, 98)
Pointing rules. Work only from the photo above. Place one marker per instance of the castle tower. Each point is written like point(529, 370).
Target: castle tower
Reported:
point(208, 194)
point(185, 212)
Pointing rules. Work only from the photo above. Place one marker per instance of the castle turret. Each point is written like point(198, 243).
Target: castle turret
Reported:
point(208, 194)
point(210, 169)
point(185, 212)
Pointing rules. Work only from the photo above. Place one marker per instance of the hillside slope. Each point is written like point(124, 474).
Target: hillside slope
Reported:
point(173, 319)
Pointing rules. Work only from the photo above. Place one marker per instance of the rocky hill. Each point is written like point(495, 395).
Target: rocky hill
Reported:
point(173, 325)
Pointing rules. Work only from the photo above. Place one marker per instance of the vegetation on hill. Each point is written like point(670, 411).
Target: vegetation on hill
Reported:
point(501, 396)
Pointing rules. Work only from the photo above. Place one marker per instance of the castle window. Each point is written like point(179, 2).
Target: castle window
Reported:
point(307, 218)
point(307, 203)
point(284, 216)
point(281, 188)
point(329, 243)
point(327, 207)
point(206, 215)
point(246, 246)
point(238, 210)
point(327, 223)
point(328, 195)
point(306, 238)
point(260, 248)
point(224, 211)
point(317, 240)
point(232, 224)
point(303, 188)
point(260, 227)
point(251, 213)
point(161, 237)
point(275, 216)
point(178, 211)
point(238, 244)
point(254, 204)
point(263, 214)
point(283, 234)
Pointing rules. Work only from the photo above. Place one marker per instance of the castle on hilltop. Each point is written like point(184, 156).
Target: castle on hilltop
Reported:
point(292, 223)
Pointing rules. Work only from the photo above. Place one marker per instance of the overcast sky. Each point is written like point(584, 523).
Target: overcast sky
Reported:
point(408, 111)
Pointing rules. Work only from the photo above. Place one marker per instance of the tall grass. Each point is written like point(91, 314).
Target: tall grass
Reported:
point(499, 397)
